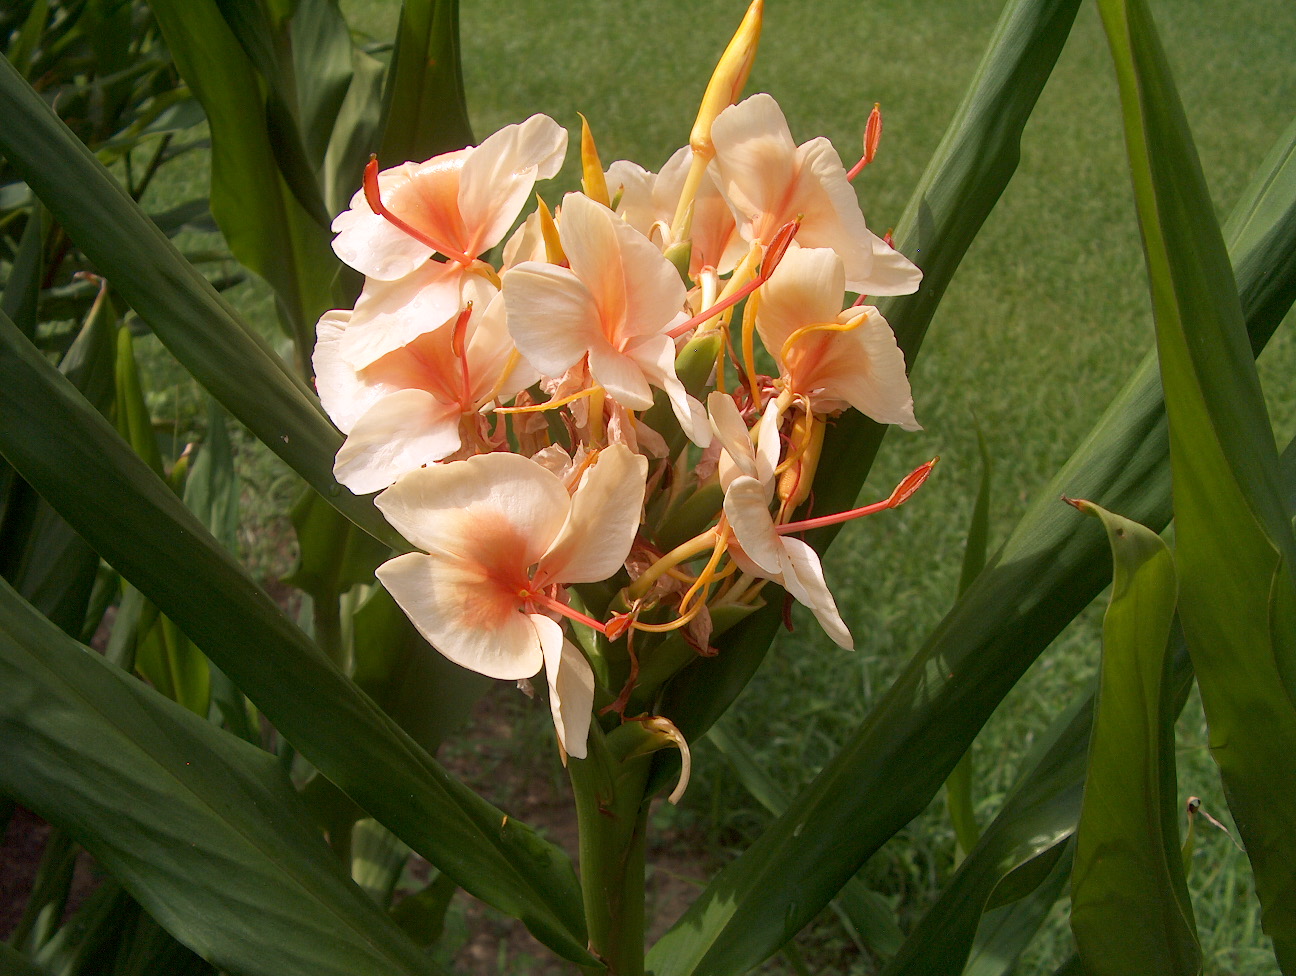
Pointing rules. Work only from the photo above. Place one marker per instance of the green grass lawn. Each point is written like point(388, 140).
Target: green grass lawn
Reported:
point(1042, 325)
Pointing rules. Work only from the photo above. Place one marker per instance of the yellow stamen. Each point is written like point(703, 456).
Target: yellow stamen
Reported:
point(806, 330)
point(749, 344)
point(681, 553)
point(554, 253)
point(551, 404)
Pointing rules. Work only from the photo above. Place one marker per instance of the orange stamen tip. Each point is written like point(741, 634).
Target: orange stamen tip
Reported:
point(372, 196)
point(911, 483)
point(778, 246)
point(618, 625)
point(872, 133)
point(461, 330)
point(888, 240)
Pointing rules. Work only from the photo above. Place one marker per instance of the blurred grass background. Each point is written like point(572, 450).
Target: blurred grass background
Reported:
point(1043, 323)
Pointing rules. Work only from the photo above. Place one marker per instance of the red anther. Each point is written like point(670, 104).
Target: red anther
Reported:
point(373, 197)
point(618, 625)
point(872, 133)
point(778, 247)
point(911, 483)
point(888, 240)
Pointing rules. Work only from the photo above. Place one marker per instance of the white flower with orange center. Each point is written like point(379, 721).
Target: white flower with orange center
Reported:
point(501, 537)
point(829, 357)
point(613, 306)
point(769, 180)
point(419, 403)
point(459, 205)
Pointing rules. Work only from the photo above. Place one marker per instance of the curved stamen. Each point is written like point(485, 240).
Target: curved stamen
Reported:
point(911, 483)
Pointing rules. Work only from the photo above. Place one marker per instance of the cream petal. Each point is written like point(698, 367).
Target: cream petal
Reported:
point(571, 691)
point(498, 177)
point(402, 432)
point(803, 578)
point(501, 499)
point(489, 351)
point(656, 356)
point(769, 446)
point(746, 505)
point(551, 316)
point(727, 423)
point(391, 314)
point(830, 210)
point(602, 522)
point(635, 186)
point(343, 394)
point(370, 243)
point(755, 158)
point(892, 274)
point(865, 368)
point(620, 375)
point(806, 287)
point(464, 617)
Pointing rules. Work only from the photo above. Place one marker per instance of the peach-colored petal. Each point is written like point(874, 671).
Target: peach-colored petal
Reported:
point(464, 614)
point(746, 505)
point(830, 211)
point(802, 576)
point(656, 356)
point(635, 185)
point(503, 501)
point(602, 522)
point(620, 375)
point(756, 162)
point(497, 179)
point(400, 433)
point(390, 314)
point(637, 291)
point(807, 287)
point(571, 694)
point(866, 369)
point(551, 315)
point(344, 396)
point(422, 194)
point(892, 274)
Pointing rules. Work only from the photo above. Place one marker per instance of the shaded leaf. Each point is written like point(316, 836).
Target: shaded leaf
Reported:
point(1234, 549)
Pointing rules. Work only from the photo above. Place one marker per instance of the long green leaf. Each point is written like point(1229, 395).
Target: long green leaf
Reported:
point(426, 112)
point(200, 827)
point(1234, 548)
point(1047, 571)
point(1127, 860)
point(181, 308)
point(135, 521)
point(965, 178)
point(254, 143)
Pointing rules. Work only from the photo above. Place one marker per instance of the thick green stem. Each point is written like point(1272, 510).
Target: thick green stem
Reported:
point(612, 815)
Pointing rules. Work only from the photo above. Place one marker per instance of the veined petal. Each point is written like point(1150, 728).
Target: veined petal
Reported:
point(571, 691)
point(400, 433)
point(344, 396)
point(803, 578)
point(807, 287)
point(602, 522)
point(755, 158)
point(621, 375)
point(501, 509)
point(866, 369)
point(497, 178)
point(465, 615)
point(727, 423)
point(830, 210)
point(551, 315)
point(489, 352)
point(635, 185)
point(746, 505)
point(656, 356)
point(390, 314)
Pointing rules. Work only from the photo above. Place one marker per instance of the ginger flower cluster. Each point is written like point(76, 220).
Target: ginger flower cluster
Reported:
point(600, 443)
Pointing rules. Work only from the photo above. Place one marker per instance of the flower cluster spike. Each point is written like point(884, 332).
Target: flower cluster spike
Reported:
point(556, 427)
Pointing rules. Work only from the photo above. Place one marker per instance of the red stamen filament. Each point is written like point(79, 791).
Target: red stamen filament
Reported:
point(911, 483)
point(571, 613)
point(374, 198)
point(774, 252)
